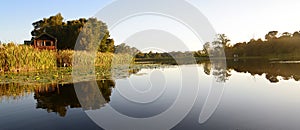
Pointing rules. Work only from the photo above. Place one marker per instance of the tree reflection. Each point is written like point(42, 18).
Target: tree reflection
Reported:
point(16, 91)
point(218, 69)
point(61, 97)
point(220, 72)
point(271, 70)
point(207, 68)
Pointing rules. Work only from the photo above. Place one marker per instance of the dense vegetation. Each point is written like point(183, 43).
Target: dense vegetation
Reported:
point(275, 46)
point(13, 58)
point(85, 31)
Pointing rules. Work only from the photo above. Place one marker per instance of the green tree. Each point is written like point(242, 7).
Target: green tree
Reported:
point(92, 33)
point(95, 36)
point(287, 45)
point(225, 41)
point(271, 35)
point(296, 34)
point(125, 49)
point(206, 48)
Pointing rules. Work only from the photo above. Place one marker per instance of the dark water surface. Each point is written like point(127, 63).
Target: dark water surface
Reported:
point(257, 95)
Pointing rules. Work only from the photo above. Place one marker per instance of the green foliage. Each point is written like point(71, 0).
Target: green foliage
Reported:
point(224, 40)
point(91, 33)
point(271, 35)
point(125, 49)
point(151, 55)
point(95, 34)
point(286, 45)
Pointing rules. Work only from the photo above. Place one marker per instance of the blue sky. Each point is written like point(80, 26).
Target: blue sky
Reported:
point(17, 16)
point(240, 20)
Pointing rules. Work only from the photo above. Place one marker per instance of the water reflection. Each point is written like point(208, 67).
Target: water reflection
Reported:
point(273, 71)
point(95, 99)
point(15, 91)
point(244, 104)
point(219, 71)
point(58, 98)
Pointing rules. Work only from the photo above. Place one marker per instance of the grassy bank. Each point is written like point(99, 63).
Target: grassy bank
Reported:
point(22, 58)
point(16, 58)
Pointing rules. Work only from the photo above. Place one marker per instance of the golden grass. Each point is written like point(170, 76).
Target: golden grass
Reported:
point(22, 58)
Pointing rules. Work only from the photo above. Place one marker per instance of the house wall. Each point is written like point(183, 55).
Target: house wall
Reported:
point(42, 44)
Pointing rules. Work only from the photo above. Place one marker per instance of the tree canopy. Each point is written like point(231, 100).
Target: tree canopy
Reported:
point(274, 45)
point(125, 49)
point(89, 32)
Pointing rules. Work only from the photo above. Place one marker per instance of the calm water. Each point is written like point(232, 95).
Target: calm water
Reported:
point(256, 95)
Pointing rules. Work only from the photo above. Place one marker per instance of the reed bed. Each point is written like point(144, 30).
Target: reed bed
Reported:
point(16, 58)
point(23, 58)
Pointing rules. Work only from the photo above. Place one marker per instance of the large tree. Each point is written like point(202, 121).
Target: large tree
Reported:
point(224, 40)
point(271, 35)
point(93, 32)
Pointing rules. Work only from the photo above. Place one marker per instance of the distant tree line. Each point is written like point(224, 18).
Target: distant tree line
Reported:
point(88, 31)
point(209, 49)
point(125, 49)
point(274, 45)
point(157, 55)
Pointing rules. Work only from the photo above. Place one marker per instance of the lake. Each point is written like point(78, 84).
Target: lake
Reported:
point(256, 95)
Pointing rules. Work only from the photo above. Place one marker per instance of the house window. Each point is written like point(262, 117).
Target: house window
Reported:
point(48, 43)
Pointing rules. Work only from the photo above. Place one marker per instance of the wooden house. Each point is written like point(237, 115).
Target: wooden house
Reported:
point(44, 41)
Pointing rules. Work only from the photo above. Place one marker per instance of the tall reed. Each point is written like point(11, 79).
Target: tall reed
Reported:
point(14, 58)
